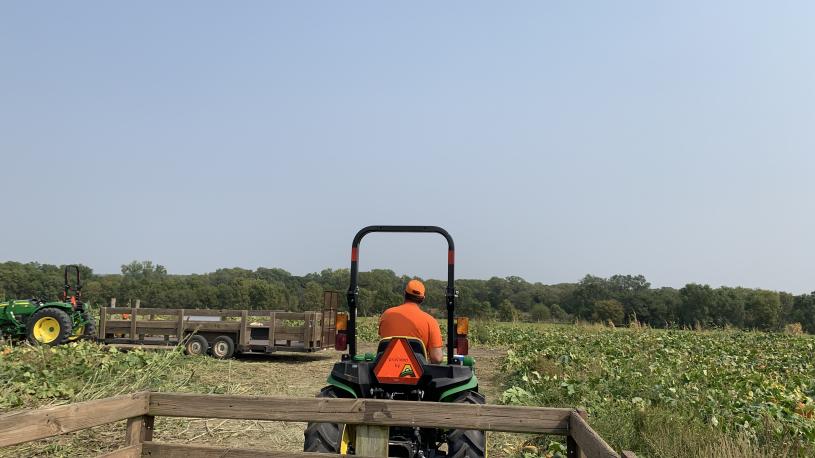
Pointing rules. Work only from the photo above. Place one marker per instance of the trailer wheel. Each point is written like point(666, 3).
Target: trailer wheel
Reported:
point(223, 347)
point(196, 346)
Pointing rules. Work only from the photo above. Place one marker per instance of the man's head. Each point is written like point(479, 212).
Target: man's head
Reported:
point(414, 292)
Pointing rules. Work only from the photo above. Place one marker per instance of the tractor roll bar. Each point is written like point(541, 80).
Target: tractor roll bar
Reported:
point(353, 289)
point(77, 286)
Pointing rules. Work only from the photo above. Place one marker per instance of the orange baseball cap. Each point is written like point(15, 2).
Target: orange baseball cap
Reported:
point(415, 287)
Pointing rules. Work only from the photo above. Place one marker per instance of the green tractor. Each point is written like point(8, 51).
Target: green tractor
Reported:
point(401, 370)
point(49, 323)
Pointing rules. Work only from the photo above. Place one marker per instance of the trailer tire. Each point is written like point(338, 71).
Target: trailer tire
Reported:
point(196, 346)
point(467, 443)
point(49, 326)
point(223, 347)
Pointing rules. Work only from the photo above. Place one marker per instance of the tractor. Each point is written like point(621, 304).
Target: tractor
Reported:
point(49, 323)
point(400, 369)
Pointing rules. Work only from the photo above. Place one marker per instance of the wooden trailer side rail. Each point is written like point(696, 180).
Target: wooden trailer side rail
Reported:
point(174, 324)
point(372, 418)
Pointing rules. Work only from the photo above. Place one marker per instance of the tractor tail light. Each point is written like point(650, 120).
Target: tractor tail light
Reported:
point(342, 321)
point(462, 345)
point(341, 342)
point(462, 325)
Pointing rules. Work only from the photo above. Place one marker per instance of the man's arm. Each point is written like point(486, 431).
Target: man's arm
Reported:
point(435, 343)
point(436, 355)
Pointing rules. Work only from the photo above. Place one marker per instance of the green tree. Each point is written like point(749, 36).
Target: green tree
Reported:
point(763, 309)
point(540, 312)
point(608, 310)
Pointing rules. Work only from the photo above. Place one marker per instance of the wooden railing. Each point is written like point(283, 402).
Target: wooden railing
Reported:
point(140, 409)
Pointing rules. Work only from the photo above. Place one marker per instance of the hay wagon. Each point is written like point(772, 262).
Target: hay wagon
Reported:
point(221, 333)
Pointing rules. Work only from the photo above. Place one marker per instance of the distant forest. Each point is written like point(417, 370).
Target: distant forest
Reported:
point(618, 299)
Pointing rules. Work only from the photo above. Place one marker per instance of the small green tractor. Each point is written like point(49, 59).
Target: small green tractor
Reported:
point(49, 323)
point(401, 370)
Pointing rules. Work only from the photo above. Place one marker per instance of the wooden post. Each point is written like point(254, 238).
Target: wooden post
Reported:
point(103, 321)
point(572, 449)
point(372, 440)
point(272, 325)
point(139, 429)
point(243, 335)
point(113, 302)
point(180, 330)
point(133, 324)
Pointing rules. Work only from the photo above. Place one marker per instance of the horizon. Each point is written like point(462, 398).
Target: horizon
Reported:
point(424, 278)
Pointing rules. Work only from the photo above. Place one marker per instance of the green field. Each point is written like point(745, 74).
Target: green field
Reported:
point(668, 393)
point(661, 393)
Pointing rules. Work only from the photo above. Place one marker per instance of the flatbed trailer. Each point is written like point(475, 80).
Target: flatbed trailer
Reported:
point(225, 332)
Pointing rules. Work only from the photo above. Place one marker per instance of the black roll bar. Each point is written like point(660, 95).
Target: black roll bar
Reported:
point(353, 289)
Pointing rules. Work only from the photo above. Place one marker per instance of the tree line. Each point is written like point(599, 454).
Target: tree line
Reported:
point(619, 299)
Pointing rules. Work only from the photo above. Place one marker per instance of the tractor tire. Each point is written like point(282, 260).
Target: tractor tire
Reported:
point(324, 437)
point(90, 326)
point(467, 443)
point(196, 346)
point(49, 326)
point(87, 331)
point(223, 347)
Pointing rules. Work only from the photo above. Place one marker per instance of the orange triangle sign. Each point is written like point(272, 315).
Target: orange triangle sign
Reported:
point(398, 364)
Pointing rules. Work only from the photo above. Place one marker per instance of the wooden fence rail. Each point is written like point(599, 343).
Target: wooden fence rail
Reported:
point(140, 409)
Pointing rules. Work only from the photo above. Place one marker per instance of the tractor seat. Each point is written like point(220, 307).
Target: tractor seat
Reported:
point(415, 344)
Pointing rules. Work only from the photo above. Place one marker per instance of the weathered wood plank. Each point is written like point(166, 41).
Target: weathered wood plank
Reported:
point(363, 411)
point(163, 450)
point(372, 440)
point(25, 426)
point(589, 442)
point(103, 318)
point(139, 429)
point(133, 451)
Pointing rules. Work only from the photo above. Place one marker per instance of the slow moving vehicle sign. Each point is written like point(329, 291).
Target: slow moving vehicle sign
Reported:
point(398, 364)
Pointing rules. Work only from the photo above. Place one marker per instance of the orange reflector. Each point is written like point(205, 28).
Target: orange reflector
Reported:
point(342, 321)
point(398, 364)
point(462, 325)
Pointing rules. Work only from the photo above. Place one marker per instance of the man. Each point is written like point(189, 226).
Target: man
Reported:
point(409, 320)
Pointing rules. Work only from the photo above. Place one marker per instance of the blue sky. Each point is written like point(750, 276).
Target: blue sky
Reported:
point(551, 139)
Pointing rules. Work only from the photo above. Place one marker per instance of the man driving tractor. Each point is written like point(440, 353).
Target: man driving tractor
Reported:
point(408, 320)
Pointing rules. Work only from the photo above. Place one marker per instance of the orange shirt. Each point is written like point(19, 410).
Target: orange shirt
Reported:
point(410, 321)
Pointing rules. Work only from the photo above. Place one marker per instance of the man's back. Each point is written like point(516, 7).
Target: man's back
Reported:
point(409, 320)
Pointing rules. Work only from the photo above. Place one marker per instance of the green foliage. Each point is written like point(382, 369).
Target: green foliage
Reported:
point(654, 391)
point(77, 372)
point(510, 299)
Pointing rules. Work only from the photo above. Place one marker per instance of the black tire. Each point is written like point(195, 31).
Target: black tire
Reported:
point(196, 346)
point(467, 443)
point(223, 347)
point(63, 320)
point(324, 437)
point(90, 325)
point(88, 330)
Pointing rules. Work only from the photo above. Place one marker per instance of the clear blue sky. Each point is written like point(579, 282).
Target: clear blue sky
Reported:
point(551, 139)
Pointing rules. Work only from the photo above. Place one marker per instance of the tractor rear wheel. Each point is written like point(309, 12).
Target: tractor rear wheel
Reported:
point(324, 437)
point(467, 443)
point(87, 330)
point(48, 326)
